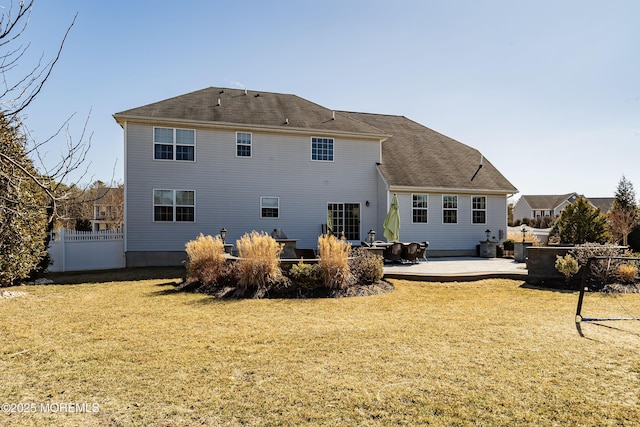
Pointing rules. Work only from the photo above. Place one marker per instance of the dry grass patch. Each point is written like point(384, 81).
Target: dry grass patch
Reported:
point(484, 353)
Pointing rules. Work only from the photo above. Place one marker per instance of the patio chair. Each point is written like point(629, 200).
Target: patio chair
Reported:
point(410, 252)
point(422, 247)
point(393, 252)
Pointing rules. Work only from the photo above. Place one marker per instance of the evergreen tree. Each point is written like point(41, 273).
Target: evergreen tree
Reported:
point(580, 223)
point(23, 208)
point(623, 216)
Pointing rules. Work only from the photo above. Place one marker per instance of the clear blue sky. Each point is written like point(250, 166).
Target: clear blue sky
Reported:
point(548, 91)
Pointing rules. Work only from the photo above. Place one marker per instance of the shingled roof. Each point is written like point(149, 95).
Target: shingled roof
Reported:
point(220, 106)
point(416, 156)
point(548, 202)
point(413, 156)
point(604, 203)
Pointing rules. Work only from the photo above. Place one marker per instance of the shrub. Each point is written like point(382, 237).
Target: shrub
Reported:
point(366, 267)
point(600, 270)
point(334, 262)
point(508, 245)
point(580, 222)
point(567, 265)
point(205, 259)
point(259, 264)
point(229, 276)
point(627, 273)
point(547, 222)
point(305, 276)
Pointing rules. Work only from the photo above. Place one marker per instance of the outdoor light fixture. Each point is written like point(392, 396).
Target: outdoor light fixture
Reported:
point(524, 232)
point(223, 234)
point(372, 235)
point(488, 233)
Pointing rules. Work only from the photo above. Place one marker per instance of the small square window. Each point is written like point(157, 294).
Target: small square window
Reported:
point(322, 149)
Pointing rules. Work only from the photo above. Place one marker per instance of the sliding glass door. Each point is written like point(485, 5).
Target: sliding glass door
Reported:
point(344, 218)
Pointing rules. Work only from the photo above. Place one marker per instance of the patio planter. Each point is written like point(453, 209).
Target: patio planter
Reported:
point(520, 251)
point(488, 249)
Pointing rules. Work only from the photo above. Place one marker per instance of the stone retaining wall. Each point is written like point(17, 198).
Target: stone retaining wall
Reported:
point(541, 264)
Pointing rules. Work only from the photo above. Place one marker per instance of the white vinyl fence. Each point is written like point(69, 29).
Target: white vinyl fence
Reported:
point(72, 250)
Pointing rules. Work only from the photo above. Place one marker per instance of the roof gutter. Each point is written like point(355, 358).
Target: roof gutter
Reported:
point(122, 118)
point(414, 189)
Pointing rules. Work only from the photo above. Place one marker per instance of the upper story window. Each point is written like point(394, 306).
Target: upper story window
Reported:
point(419, 208)
point(243, 144)
point(174, 205)
point(449, 209)
point(479, 209)
point(174, 144)
point(322, 149)
point(269, 207)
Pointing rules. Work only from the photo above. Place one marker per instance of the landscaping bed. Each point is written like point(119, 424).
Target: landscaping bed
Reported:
point(292, 291)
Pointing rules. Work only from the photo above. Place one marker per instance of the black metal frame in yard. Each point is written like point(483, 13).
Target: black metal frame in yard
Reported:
point(584, 287)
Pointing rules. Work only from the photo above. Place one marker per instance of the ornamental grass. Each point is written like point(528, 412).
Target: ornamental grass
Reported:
point(529, 237)
point(627, 273)
point(259, 263)
point(205, 259)
point(334, 261)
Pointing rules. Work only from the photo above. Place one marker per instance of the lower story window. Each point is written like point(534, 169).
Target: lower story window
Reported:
point(269, 207)
point(174, 205)
point(449, 209)
point(419, 209)
point(479, 210)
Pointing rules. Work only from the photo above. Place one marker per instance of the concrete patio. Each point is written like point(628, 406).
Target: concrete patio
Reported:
point(449, 269)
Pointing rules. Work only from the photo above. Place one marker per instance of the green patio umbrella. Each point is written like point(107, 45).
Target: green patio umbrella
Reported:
point(392, 221)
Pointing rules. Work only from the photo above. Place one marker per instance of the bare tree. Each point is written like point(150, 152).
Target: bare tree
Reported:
point(30, 193)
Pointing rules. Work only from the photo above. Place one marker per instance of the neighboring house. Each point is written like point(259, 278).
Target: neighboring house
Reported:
point(108, 209)
point(246, 160)
point(604, 203)
point(538, 206)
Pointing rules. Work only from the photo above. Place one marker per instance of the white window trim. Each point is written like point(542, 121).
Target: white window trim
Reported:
point(479, 210)
point(333, 149)
point(175, 144)
point(248, 145)
point(269, 207)
point(414, 208)
point(450, 209)
point(175, 205)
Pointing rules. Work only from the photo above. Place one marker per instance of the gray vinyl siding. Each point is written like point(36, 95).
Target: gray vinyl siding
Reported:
point(228, 188)
point(456, 238)
point(521, 209)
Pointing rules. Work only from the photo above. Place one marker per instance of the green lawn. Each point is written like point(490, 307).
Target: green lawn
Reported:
point(487, 353)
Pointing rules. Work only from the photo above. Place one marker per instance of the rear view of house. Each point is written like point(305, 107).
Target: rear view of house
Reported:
point(245, 160)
